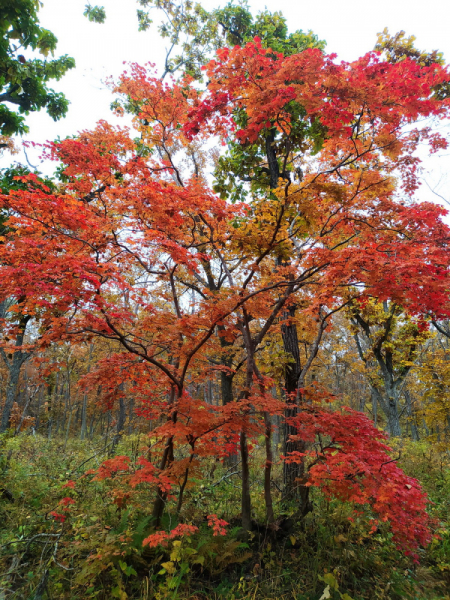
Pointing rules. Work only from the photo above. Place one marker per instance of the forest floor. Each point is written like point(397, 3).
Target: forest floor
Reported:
point(51, 548)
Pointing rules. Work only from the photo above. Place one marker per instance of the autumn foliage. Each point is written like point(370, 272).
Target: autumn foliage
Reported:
point(135, 247)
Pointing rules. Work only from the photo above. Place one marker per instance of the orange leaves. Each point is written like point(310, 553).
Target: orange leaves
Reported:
point(162, 537)
point(218, 525)
point(100, 156)
point(161, 107)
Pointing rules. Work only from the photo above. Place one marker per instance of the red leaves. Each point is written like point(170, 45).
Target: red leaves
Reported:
point(345, 98)
point(197, 117)
point(218, 525)
point(113, 466)
point(350, 461)
point(129, 250)
point(182, 530)
point(162, 537)
point(65, 504)
point(69, 484)
point(67, 501)
point(60, 518)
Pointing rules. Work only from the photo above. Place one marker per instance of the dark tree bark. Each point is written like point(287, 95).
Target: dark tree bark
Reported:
point(292, 472)
point(14, 361)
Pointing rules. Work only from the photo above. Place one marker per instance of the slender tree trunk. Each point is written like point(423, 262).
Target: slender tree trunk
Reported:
point(13, 362)
point(83, 431)
point(38, 410)
point(412, 421)
point(246, 506)
point(130, 415)
point(185, 479)
point(121, 417)
point(167, 458)
point(268, 469)
point(68, 429)
point(91, 427)
point(11, 390)
point(226, 388)
point(374, 407)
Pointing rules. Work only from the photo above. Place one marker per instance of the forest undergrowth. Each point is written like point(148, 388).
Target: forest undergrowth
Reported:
point(91, 544)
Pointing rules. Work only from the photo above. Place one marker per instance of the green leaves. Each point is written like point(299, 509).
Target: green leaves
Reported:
point(144, 20)
point(23, 82)
point(127, 569)
point(95, 14)
point(47, 42)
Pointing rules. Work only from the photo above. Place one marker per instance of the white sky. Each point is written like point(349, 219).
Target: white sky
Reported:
point(349, 27)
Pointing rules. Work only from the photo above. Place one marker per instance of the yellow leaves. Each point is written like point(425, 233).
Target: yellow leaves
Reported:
point(432, 388)
point(169, 567)
point(176, 551)
point(398, 47)
point(7, 143)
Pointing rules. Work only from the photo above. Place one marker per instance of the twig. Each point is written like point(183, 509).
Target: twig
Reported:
point(225, 477)
point(30, 540)
point(391, 461)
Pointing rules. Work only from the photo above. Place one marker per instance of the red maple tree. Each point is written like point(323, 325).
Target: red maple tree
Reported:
point(138, 249)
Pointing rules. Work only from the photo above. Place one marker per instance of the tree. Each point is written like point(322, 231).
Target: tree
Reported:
point(430, 389)
point(260, 161)
point(203, 32)
point(14, 349)
point(24, 81)
point(389, 343)
point(123, 249)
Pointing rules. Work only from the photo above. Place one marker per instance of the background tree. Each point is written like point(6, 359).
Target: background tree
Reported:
point(14, 321)
point(389, 343)
point(23, 79)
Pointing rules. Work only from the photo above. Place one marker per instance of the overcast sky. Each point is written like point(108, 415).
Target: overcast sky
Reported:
point(349, 27)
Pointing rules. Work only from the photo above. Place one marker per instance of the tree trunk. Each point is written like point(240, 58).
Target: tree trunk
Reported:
point(412, 421)
point(246, 507)
point(121, 417)
point(13, 363)
point(166, 459)
point(83, 431)
point(393, 416)
point(268, 469)
point(374, 407)
point(11, 389)
point(293, 471)
point(226, 389)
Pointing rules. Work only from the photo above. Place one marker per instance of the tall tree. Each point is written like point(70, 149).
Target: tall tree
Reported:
point(139, 226)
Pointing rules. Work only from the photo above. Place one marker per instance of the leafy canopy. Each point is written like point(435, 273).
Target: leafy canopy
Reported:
point(24, 81)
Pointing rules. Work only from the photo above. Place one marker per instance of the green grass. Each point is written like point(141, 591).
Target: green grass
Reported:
point(97, 552)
